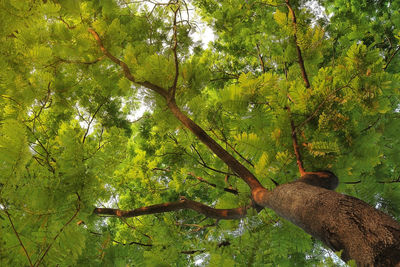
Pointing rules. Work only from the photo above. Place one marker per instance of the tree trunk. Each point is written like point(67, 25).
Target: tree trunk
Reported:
point(342, 222)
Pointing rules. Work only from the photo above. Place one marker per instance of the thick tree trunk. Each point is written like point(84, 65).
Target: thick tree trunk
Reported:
point(342, 222)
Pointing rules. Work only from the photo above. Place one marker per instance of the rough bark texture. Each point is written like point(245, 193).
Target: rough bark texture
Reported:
point(342, 222)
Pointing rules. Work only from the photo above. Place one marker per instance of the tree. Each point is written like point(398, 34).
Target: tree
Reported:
point(230, 161)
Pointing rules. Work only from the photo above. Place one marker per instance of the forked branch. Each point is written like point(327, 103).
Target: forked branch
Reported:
point(257, 189)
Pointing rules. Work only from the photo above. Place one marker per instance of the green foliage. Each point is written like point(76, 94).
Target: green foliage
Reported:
point(69, 143)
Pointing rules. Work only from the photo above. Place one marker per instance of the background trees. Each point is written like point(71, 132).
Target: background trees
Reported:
point(68, 141)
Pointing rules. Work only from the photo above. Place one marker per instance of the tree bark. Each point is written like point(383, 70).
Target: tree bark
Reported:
point(343, 223)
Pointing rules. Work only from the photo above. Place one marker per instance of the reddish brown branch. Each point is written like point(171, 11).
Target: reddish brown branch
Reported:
point(299, 55)
point(257, 189)
point(183, 203)
point(127, 72)
point(229, 190)
point(17, 235)
point(229, 160)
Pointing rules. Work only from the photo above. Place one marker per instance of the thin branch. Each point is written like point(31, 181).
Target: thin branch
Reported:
point(233, 148)
point(183, 203)
point(379, 182)
point(78, 208)
point(296, 147)
point(43, 106)
point(323, 102)
point(198, 226)
point(90, 122)
point(124, 244)
point(204, 164)
point(229, 190)
point(17, 235)
point(81, 62)
point(172, 89)
point(299, 55)
point(48, 155)
point(391, 57)
point(260, 58)
point(127, 72)
point(66, 23)
point(190, 252)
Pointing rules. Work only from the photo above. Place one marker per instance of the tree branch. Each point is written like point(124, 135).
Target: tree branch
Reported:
point(78, 208)
point(260, 58)
point(204, 164)
point(299, 55)
point(391, 57)
point(183, 203)
point(224, 139)
point(257, 189)
point(127, 72)
point(90, 122)
point(229, 190)
point(81, 62)
point(229, 160)
point(17, 235)
point(172, 89)
point(296, 145)
point(323, 102)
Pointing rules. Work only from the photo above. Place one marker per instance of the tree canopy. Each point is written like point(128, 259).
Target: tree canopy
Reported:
point(287, 89)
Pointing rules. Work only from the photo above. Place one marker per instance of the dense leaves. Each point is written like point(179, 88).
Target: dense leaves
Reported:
point(72, 136)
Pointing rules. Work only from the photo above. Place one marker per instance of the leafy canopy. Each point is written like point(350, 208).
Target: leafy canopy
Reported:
point(69, 143)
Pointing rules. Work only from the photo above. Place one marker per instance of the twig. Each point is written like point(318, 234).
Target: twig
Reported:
point(233, 148)
point(204, 164)
point(37, 263)
point(229, 190)
point(90, 122)
point(323, 102)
